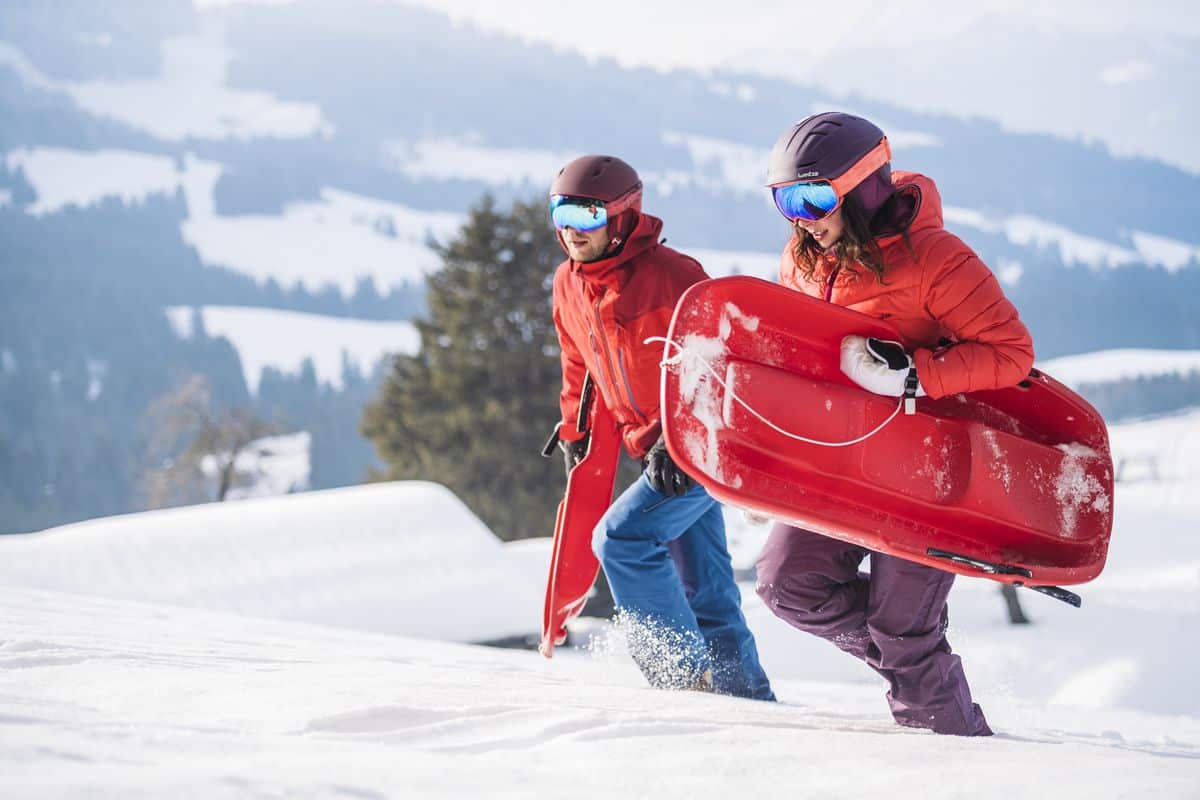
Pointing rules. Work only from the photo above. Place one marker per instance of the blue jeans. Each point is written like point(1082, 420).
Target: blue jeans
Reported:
point(668, 565)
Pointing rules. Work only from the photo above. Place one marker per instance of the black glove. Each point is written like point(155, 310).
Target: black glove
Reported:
point(664, 475)
point(881, 367)
point(891, 353)
point(573, 452)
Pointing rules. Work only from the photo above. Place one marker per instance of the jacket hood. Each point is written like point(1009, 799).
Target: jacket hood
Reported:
point(609, 270)
point(920, 207)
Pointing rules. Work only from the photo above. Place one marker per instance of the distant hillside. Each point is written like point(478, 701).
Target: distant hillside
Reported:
point(302, 157)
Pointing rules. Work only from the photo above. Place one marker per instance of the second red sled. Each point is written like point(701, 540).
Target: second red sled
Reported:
point(1012, 484)
point(573, 565)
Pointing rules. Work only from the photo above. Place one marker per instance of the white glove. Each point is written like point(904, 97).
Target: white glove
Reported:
point(879, 366)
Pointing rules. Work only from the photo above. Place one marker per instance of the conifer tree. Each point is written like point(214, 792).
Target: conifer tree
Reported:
point(473, 407)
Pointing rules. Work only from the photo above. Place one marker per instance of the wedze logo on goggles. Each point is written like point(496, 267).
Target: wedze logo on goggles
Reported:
point(587, 214)
point(814, 200)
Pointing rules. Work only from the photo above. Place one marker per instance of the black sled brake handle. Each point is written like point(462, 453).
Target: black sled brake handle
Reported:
point(1057, 592)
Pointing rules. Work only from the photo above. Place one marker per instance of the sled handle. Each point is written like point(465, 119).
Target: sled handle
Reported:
point(989, 567)
point(1058, 593)
point(992, 568)
point(675, 359)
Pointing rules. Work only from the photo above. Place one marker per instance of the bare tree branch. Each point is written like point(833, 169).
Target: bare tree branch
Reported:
point(184, 435)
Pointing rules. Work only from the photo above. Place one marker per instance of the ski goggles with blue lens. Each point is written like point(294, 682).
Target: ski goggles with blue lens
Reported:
point(581, 213)
point(814, 200)
point(808, 201)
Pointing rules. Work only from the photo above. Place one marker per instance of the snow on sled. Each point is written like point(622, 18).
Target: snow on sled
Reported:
point(1012, 484)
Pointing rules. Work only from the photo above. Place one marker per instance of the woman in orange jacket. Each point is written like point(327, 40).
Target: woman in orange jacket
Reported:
point(872, 240)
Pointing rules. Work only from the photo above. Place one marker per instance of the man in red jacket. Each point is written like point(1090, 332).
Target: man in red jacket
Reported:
point(662, 543)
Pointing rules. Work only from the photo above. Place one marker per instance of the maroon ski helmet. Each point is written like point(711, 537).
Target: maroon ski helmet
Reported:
point(825, 147)
point(606, 178)
point(597, 177)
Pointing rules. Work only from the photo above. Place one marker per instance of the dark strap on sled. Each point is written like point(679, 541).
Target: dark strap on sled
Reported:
point(585, 408)
point(910, 391)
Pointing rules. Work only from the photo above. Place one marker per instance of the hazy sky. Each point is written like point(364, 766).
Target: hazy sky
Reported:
point(674, 33)
point(668, 33)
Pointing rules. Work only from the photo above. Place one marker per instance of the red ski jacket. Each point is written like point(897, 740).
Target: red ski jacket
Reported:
point(962, 331)
point(604, 311)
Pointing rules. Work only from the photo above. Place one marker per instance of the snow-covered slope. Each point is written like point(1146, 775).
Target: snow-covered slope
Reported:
point(337, 240)
point(1107, 366)
point(114, 699)
point(405, 558)
point(1075, 248)
point(63, 177)
point(189, 100)
point(129, 692)
point(267, 337)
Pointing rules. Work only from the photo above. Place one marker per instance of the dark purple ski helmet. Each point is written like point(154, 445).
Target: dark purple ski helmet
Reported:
point(824, 147)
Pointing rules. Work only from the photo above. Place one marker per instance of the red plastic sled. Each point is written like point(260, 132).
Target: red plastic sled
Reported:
point(573, 565)
point(1013, 484)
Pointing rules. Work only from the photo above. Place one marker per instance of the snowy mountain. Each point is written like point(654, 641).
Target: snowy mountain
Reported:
point(1070, 77)
point(1100, 71)
point(321, 144)
point(255, 162)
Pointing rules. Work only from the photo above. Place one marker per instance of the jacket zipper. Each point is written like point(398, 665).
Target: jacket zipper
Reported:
point(628, 386)
point(599, 360)
point(612, 373)
point(829, 285)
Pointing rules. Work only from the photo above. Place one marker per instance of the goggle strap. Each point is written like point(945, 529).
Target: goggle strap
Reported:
point(876, 158)
point(624, 202)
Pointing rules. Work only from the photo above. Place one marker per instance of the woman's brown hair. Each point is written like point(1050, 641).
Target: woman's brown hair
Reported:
point(858, 248)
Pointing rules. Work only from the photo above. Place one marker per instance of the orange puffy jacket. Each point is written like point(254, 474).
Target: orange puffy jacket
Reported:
point(604, 311)
point(952, 315)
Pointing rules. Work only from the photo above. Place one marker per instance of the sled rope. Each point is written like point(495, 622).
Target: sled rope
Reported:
point(682, 351)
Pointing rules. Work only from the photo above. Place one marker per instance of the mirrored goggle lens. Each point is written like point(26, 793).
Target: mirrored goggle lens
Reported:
point(578, 213)
point(808, 201)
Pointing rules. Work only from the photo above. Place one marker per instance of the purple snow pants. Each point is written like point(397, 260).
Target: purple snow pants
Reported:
point(894, 619)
